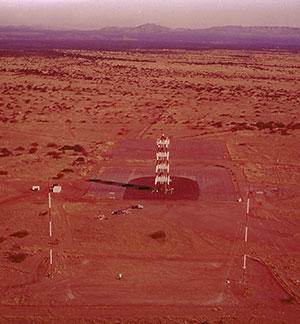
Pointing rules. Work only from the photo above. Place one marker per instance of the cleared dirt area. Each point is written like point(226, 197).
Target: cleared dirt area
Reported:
point(144, 149)
point(230, 256)
point(201, 178)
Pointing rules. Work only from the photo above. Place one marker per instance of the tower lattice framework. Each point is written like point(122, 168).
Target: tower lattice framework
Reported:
point(162, 168)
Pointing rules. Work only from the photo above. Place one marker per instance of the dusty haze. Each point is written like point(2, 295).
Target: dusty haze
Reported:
point(90, 14)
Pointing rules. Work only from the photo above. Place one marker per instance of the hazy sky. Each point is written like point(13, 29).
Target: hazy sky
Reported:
point(86, 14)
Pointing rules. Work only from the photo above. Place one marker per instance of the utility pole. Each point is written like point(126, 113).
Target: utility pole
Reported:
point(55, 189)
point(246, 235)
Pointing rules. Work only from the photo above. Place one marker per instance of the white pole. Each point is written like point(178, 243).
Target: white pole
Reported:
point(248, 205)
point(244, 266)
point(51, 256)
point(49, 200)
point(50, 228)
point(246, 233)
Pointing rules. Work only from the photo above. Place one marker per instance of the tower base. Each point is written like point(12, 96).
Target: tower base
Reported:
point(182, 188)
point(163, 190)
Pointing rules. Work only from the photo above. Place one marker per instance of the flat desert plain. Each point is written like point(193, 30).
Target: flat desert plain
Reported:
point(224, 250)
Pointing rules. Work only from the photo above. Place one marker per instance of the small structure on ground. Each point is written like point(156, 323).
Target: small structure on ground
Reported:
point(56, 188)
point(137, 206)
point(117, 212)
point(35, 188)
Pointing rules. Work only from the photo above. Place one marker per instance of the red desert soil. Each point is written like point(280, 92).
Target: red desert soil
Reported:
point(233, 120)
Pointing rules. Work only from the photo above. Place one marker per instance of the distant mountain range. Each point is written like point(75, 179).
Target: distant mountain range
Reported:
point(154, 36)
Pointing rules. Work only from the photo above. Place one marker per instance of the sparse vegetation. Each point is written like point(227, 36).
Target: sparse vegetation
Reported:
point(79, 160)
point(4, 152)
point(288, 300)
point(76, 148)
point(58, 176)
point(54, 154)
point(160, 235)
point(67, 170)
point(20, 148)
point(52, 145)
point(16, 257)
point(20, 234)
point(83, 104)
point(32, 150)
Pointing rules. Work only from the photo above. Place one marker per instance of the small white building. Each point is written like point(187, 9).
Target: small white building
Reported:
point(56, 189)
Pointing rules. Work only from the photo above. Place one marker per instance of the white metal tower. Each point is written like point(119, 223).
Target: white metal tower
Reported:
point(162, 168)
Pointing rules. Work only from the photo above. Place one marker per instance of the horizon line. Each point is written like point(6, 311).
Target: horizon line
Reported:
point(140, 25)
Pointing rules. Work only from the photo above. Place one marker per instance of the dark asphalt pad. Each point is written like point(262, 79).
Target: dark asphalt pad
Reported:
point(183, 188)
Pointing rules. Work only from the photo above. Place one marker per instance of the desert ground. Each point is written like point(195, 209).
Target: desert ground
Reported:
point(230, 255)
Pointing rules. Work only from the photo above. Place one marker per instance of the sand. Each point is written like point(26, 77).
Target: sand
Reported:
point(233, 120)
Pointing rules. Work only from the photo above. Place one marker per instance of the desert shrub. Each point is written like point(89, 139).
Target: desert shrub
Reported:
point(79, 148)
point(54, 154)
point(2, 239)
point(262, 125)
point(75, 148)
point(32, 150)
point(19, 234)
point(52, 145)
point(288, 300)
point(279, 125)
point(80, 160)
point(217, 124)
point(16, 257)
point(269, 125)
point(294, 126)
point(158, 235)
point(19, 148)
point(234, 128)
point(67, 170)
point(4, 152)
point(58, 176)
point(4, 119)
